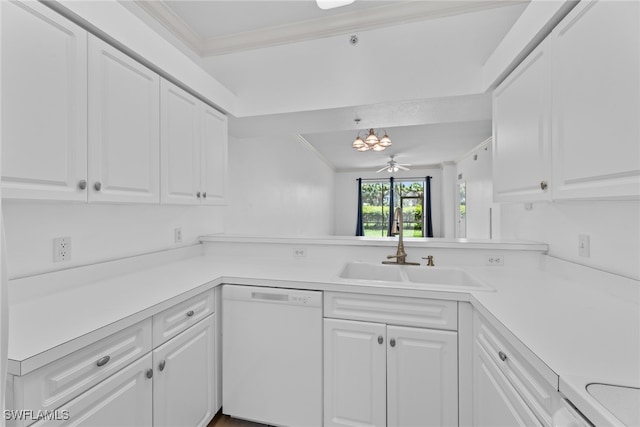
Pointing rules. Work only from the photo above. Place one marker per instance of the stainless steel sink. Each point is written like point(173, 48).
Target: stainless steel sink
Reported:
point(621, 401)
point(437, 278)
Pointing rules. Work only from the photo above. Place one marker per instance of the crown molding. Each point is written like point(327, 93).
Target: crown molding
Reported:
point(306, 144)
point(162, 13)
point(376, 17)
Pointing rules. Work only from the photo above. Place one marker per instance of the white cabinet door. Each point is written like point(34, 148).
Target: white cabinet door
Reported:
point(422, 377)
point(596, 100)
point(194, 149)
point(521, 131)
point(495, 402)
point(44, 104)
point(184, 383)
point(180, 141)
point(124, 134)
point(123, 399)
point(354, 373)
point(213, 168)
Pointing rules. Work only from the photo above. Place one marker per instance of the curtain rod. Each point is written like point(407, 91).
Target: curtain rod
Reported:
point(397, 179)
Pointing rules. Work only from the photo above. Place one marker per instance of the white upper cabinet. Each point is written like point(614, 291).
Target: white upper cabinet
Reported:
point(521, 131)
point(44, 104)
point(596, 96)
point(194, 149)
point(180, 142)
point(213, 175)
point(566, 121)
point(81, 121)
point(124, 134)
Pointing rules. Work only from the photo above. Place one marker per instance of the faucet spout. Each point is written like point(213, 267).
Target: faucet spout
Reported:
point(401, 255)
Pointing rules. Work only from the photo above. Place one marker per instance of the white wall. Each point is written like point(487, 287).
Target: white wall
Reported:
point(346, 197)
point(429, 59)
point(98, 232)
point(613, 227)
point(476, 173)
point(277, 186)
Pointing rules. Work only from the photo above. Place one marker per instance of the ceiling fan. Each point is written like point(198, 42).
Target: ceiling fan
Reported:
point(393, 166)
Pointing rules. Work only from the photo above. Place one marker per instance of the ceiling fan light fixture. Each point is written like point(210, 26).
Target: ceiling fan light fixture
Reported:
point(331, 4)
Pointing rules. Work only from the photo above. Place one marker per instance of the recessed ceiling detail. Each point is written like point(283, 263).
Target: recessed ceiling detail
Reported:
point(309, 29)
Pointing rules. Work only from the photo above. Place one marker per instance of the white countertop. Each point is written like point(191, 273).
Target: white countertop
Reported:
point(579, 329)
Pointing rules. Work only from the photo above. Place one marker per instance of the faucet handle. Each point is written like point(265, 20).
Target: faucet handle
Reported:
point(429, 259)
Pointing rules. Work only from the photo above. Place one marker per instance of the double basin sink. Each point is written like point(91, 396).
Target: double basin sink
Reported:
point(436, 278)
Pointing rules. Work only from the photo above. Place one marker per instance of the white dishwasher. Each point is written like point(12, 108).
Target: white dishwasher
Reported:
point(272, 355)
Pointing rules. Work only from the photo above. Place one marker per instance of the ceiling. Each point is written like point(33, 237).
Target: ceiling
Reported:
point(292, 66)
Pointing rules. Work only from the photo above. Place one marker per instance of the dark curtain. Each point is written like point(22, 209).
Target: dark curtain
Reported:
point(427, 208)
point(359, 223)
point(391, 207)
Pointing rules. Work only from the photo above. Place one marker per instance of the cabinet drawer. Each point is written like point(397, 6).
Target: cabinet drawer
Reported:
point(176, 319)
point(510, 409)
point(58, 382)
point(531, 385)
point(125, 398)
point(402, 311)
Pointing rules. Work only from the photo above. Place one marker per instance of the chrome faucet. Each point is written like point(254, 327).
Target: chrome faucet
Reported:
point(401, 255)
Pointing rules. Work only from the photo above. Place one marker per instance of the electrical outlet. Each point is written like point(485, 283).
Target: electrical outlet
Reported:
point(299, 252)
point(177, 235)
point(61, 249)
point(495, 260)
point(584, 246)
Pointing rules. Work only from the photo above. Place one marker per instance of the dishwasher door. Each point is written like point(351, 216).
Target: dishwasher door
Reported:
point(272, 355)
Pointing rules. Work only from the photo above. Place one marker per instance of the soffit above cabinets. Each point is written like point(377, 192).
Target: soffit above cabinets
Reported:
point(221, 26)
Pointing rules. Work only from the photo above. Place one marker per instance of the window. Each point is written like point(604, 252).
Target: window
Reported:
point(408, 194)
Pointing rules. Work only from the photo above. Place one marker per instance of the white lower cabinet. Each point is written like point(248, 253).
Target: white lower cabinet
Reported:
point(355, 388)
point(125, 380)
point(124, 399)
point(511, 387)
point(184, 378)
point(386, 375)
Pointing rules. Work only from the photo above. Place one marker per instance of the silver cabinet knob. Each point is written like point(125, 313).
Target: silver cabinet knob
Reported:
point(502, 356)
point(204, 194)
point(82, 184)
point(149, 373)
point(543, 185)
point(380, 339)
point(190, 313)
point(97, 186)
point(161, 365)
point(198, 194)
point(103, 361)
point(392, 342)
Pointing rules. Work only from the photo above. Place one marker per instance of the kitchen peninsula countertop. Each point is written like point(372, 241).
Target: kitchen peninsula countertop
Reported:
point(583, 324)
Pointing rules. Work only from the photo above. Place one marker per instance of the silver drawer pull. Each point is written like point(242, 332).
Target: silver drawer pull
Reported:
point(392, 342)
point(149, 373)
point(103, 360)
point(502, 356)
point(161, 365)
point(380, 339)
point(190, 313)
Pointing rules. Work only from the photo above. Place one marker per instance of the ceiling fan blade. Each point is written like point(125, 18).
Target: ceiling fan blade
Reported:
point(402, 167)
point(383, 169)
